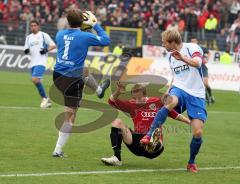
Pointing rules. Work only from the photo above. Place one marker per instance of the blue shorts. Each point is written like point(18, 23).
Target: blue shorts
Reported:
point(38, 71)
point(195, 106)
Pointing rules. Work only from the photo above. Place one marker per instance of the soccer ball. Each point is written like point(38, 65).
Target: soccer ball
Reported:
point(89, 20)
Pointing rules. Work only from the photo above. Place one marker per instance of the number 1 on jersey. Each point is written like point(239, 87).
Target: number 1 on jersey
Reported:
point(66, 49)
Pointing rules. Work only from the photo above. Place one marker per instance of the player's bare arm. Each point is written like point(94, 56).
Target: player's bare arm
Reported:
point(51, 47)
point(177, 116)
point(120, 89)
point(194, 62)
point(183, 119)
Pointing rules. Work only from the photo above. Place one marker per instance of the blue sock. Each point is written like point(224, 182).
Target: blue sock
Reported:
point(159, 119)
point(41, 90)
point(194, 149)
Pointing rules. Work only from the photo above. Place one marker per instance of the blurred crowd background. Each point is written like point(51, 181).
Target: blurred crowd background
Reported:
point(216, 23)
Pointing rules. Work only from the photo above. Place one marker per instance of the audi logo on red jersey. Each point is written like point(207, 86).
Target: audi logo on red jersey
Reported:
point(148, 114)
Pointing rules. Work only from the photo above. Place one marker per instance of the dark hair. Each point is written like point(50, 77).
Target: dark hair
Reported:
point(75, 18)
point(194, 37)
point(35, 22)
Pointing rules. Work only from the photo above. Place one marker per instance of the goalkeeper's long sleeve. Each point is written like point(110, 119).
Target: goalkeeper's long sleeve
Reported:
point(72, 46)
point(101, 39)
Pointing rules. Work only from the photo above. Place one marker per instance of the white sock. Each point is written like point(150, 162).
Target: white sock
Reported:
point(99, 90)
point(63, 136)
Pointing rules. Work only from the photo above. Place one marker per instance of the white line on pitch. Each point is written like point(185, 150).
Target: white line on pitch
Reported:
point(28, 108)
point(115, 172)
point(84, 109)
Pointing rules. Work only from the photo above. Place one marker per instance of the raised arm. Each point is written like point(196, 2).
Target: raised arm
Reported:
point(101, 39)
point(120, 89)
point(123, 105)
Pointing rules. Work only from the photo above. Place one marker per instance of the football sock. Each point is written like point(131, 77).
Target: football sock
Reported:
point(41, 90)
point(194, 149)
point(116, 140)
point(159, 119)
point(63, 136)
point(91, 82)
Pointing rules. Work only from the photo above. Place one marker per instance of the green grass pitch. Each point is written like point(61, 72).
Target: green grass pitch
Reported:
point(28, 136)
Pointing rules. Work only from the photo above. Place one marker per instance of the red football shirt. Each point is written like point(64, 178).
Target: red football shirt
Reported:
point(141, 114)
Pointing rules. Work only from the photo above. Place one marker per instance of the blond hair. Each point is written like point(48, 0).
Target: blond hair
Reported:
point(172, 35)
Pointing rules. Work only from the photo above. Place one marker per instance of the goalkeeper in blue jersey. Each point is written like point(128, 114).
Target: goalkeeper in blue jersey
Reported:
point(68, 77)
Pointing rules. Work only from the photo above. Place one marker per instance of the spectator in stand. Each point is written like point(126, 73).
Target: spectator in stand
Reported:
point(226, 58)
point(189, 15)
point(202, 18)
point(2, 7)
point(149, 35)
point(233, 38)
point(211, 29)
point(26, 14)
point(173, 25)
point(181, 25)
point(161, 24)
point(125, 22)
point(62, 22)
point(223, 13)
point(5, 16)
point(1, 14)
point(237, 28)
point(118, 49)
point(222, 40)
point(234, 9)
point(101, 12)
point(191, 22)
point(14, 11)
point(112, 6)
point(9, 35)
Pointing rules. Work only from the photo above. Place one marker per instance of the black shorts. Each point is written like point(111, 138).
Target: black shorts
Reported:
point(137, 149)
point(204, 70)
point(70, 87)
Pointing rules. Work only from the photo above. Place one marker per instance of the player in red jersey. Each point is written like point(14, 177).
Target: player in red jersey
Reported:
point(142, 110)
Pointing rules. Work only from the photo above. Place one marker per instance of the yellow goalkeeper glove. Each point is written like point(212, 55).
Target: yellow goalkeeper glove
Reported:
point(89, 20)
